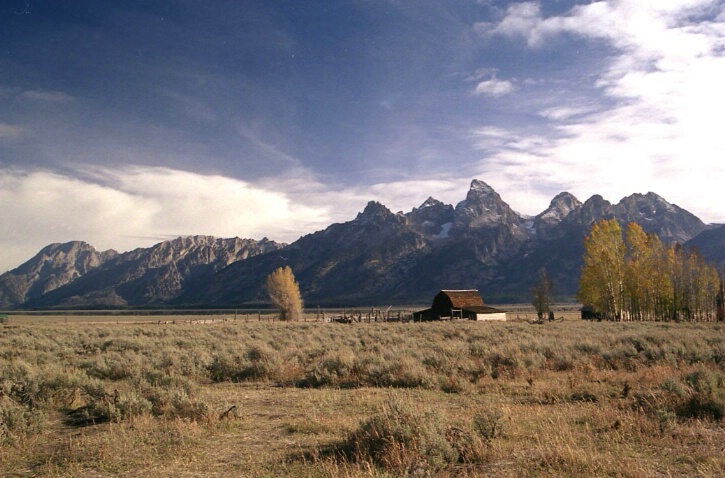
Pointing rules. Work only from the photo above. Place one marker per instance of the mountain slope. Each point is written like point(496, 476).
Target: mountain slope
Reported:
point(54, 266)
point(152, 276)
point(381, 257)
point(560, 248)
point(352, 262)
point(378, 257)
point(711, 244)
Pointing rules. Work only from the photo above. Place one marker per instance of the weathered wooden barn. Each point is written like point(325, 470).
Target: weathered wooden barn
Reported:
point(459, 304)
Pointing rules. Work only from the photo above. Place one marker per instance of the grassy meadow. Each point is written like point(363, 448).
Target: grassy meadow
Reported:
point(189, 397)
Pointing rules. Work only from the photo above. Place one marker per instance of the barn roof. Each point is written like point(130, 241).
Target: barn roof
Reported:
point(464, 299)
point(484, 309)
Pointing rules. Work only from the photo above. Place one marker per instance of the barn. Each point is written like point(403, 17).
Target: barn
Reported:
point(459, 304)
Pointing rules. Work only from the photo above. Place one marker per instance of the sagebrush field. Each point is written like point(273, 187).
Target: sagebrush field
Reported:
point(566, 398)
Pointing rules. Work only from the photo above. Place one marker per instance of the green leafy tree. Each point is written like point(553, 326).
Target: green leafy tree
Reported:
point(284, 292)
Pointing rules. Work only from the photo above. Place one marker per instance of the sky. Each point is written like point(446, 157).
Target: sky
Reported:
point(124, 124)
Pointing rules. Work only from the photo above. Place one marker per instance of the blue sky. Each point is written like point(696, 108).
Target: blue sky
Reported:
point(126, 123)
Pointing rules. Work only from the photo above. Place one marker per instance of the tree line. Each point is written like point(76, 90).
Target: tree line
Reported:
point(626, 276)
point(634, 276)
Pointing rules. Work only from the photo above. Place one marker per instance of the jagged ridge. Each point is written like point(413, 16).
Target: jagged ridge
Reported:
point(378, 257)
point(80, 276)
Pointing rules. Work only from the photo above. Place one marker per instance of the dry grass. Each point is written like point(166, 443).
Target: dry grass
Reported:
point(567, 398)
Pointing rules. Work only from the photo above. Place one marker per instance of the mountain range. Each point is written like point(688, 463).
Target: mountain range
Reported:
point(379, 257)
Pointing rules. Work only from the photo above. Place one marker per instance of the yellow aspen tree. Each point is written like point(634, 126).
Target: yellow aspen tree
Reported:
point(661, 280)
point(284, 292)
point(637, 272)
point(676, 266)
point(714, 286)
point(705, 284)
point(602, 280)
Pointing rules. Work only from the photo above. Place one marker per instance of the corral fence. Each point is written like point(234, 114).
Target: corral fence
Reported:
point(209, 316)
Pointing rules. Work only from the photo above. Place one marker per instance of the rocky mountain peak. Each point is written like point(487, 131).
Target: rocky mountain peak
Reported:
point(595, 208)
point(374, 211)
point(561, 206)
point(65, 247)
point(145, 275)
point(52, 267)
point(430, 202)
point(484, 207)
point(432, 218)
point(378, 256)
point(564, 202)
point(480, 187)
point(647, 205)
point(76, 255)
point(670, 222)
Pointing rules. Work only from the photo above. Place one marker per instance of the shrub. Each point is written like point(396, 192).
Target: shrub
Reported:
point(504, 363)
point(333, 369)
point(396, 372)
point(451, 384)
point(258, 363)
point(112, 365)
point(17, 422)
point(175, 403)
point(584, 395)
point(469, 445)
point(403, 440)
point(701, 396)
point(665, 419)
point(488, 423)
point(224, 368)
point(706, 399)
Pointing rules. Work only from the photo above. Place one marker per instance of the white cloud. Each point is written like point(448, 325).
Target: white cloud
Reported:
point(133, 207)
point(46, 96)
point(565, 112)
point(494, 87)
point(405, 195)
point(402, 195)
point(658, 126)
point(139, 206)
point(520, 19)
point(11, 131)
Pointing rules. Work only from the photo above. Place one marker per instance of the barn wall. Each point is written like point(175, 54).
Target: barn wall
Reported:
point(489, 317)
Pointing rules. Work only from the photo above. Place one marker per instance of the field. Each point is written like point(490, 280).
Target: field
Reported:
point(189, 396)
